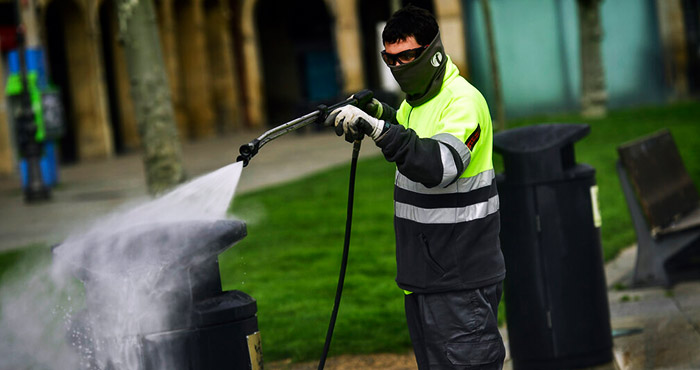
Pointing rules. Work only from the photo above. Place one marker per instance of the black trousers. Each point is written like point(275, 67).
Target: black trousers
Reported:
point(456, 330)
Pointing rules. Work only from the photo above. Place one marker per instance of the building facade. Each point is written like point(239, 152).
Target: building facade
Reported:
point(234, 64)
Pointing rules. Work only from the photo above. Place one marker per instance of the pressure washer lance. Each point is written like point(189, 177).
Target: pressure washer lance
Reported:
point(249, 150)
point(319, 115)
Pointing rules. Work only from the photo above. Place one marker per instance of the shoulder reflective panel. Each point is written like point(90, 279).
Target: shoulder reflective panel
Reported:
point(462, 185)
point(446, 215)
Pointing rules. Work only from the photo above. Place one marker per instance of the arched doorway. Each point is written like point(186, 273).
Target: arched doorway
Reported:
point(299, 61)
point(58, 65)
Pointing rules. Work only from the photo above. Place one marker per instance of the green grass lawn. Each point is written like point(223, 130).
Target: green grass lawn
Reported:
point(290, 259)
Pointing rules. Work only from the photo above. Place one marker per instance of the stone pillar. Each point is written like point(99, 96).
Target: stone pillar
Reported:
point(451, 21)
point(348, 46)
point(593, 94)
point(194, 68)
point(168, 41)
point(255, 112)
point(93, 134)
point(674, 43)
point(221, 63)
point(7, 159)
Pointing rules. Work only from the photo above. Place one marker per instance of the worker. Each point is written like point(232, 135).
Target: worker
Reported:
point(448, 256)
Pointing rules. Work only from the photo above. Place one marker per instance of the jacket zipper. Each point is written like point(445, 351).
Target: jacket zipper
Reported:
point(408, 119)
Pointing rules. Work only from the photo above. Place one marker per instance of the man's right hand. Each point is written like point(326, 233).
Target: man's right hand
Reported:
point(355, 123)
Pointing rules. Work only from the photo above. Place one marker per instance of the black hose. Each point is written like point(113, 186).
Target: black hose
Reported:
point(346, 249)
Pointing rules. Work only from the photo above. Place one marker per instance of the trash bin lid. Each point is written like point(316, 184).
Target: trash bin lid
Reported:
point(540, 153)
point(170, 245)
point(539, 138)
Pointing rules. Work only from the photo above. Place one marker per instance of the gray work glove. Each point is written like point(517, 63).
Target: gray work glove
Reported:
point(355, 123)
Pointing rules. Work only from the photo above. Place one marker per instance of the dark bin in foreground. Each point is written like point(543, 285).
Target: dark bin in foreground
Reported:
point(555, 290)
point(204, 328)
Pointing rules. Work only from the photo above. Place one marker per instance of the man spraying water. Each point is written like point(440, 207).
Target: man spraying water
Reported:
point(446, 219)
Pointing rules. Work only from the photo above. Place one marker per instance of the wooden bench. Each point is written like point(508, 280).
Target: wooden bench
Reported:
point(665, 209)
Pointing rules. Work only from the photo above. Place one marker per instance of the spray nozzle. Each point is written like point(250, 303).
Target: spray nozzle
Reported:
point(247, 151)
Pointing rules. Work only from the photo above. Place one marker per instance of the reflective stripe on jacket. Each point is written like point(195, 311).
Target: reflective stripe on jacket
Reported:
point(446, 203)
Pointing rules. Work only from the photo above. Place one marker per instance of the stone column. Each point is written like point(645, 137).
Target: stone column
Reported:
point(99, 86)
point(674, 43)
point(194, 68)
point(348, 45)
point(451, 21)
point(221, 63)
point(168, 41)
point(593, 94)
point(7, 160)
point(93, 134)
point(255, 112)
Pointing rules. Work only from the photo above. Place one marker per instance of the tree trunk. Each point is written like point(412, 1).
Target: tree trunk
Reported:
point(495, 72)
point(162, 155)
point(593, 95)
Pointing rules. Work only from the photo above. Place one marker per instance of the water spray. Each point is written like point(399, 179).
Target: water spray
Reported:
point(153, 297)
point(247, 151)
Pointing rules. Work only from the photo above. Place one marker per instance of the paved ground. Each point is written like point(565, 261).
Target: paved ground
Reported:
point(665, 322)
point(662, 326)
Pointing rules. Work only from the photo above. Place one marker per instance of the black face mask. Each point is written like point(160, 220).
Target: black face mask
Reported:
point(421, 79)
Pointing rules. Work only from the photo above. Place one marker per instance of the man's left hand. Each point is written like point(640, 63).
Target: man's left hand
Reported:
point(355, 123)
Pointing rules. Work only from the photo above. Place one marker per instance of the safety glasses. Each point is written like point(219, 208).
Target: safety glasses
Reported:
point(403, 57)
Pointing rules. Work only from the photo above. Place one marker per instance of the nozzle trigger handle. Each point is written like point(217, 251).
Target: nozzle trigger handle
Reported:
point(362, 98)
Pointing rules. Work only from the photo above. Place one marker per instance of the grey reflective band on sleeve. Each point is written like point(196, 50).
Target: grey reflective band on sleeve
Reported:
point(464, 153)
point(462, 185)
point(449, 168)
point(446, 215)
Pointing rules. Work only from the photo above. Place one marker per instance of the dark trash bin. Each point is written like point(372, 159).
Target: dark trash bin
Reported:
point(555, 291)
point(183, 319)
